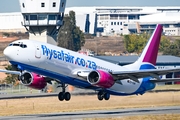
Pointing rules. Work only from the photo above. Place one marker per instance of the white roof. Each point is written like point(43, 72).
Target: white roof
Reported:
point(159, 17)
point(87, 10)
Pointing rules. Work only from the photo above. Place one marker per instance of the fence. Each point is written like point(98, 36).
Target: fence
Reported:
point(18, 89)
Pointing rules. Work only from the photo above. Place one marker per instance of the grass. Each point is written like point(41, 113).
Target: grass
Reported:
point(86, 102)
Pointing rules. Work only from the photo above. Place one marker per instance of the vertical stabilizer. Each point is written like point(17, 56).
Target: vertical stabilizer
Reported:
point(147, 60)
point(150, 52)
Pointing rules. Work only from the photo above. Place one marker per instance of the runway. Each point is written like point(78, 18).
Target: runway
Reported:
point(97, 114)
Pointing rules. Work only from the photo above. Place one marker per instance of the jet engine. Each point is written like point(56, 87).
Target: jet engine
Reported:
point(101, 79)
point(33, 80)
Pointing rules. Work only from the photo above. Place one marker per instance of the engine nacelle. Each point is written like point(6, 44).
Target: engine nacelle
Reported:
point(101, 79)
point(33, 80)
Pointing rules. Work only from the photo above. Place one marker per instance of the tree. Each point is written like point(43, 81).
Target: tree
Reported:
point(164, 43)
point(70, 36)
point(172, 48)
point(135, 43)
point(11, 78)
point(65, 34)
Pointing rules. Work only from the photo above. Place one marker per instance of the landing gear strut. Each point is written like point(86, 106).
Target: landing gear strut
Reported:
point(103, 95)
point(64, 95)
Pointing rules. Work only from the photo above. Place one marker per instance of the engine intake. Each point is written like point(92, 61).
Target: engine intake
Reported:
point(101, 78)
point(33, 80)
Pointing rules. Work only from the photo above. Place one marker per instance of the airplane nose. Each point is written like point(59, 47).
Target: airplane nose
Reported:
point(7, 52)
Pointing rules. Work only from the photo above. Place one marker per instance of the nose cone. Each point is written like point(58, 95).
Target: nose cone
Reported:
point(8, 52)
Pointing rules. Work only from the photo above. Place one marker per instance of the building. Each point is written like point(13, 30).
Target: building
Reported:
point(108, 21)
point(43, 18)
point(11, 22)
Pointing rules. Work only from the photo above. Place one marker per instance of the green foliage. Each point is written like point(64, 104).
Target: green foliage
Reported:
point(135, 43)
point(173, 48)
point(164, 44)
point(6, 34)
point(70, 36)
point(11, 78)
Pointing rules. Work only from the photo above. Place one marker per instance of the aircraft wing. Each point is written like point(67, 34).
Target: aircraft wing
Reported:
point(10, 71)
point(134, 75)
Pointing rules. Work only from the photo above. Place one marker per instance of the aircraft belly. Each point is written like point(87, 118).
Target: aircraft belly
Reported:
point(126, 86)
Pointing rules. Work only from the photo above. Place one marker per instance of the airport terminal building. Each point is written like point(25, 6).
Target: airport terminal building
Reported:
point(109, 21)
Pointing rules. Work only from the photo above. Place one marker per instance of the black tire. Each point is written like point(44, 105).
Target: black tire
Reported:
point(106, 96)
point(61, 96)
point(67, 96)
point(100, 95)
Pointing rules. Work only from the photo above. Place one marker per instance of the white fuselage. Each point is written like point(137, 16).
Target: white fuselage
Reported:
point(60, 61)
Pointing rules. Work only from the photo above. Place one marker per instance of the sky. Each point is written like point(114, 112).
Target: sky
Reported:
point(13, 5)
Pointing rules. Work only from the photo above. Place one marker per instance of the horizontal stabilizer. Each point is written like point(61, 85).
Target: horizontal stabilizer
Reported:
point(154, 73)
point(165, 80)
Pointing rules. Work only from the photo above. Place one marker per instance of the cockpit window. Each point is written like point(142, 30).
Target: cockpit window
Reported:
point(23, 45)
point(10, 44)
point(15, 44)
point(20, 45)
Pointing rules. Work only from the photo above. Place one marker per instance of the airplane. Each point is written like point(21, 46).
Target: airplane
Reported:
point(38, 63)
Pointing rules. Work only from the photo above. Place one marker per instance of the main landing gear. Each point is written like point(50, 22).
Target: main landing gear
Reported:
point(64, 95)
point(103, 95)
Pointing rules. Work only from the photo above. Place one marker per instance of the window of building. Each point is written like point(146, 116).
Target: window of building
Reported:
point(59, 17)
point(114, 23)
point(114, 17)
point(42, 16)
point(33, 17)
point(42, 4)
point(54, 4)
point(52, 17)
point(62, 4)
point(111, 23)
point(132, 17)
point(23, 5)
point(117, 23)
point(26, 17)
point(123, 17)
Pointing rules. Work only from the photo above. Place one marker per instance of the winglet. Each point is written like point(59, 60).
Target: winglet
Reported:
point(150, 52)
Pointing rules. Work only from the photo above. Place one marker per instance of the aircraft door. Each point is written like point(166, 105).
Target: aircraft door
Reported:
point(37, 52)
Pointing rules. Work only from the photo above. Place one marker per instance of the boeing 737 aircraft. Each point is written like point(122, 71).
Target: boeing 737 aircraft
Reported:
point(39, 63)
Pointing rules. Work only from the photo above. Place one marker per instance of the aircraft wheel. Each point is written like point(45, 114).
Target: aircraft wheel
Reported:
point(67, 96)
point(106, 96)
point(100, 95)
point(61, 96)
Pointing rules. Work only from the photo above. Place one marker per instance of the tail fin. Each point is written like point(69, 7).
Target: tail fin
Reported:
point(150, 52)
